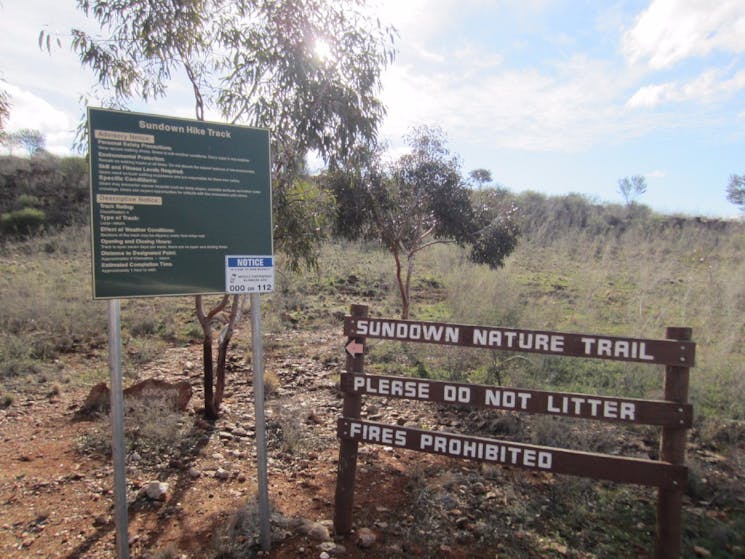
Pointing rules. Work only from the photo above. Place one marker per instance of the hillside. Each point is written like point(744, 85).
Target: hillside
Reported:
point(632, 280)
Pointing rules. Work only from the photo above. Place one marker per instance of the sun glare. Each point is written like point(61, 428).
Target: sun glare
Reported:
point(322, 50)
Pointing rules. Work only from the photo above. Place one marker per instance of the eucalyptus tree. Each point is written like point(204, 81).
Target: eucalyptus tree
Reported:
point(736, 191)
point(631, 188)
point(4, 110)
point(33, 141)
point(418, 201)
point(480, 177)
point(308, 70)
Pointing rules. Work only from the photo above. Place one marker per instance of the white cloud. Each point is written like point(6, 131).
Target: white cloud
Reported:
point(708, 87)
point(670, 31)
point(564, 108)
point(651, 95)
point(30, 111)
point(656, 174)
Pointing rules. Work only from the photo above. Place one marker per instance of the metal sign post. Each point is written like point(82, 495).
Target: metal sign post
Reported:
point(117, 428)
point(265, 534)
point(178, 207)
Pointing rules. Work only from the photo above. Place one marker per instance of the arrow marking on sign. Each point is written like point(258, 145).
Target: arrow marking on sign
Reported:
point(354, 348)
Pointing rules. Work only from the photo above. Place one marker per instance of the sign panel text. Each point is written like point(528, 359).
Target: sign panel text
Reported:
point(614, 409)
point(666, 352)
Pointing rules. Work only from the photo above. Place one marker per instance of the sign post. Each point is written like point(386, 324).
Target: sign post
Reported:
point(352, 408)
point(673, 450)
point(178, 207)
point(265, 533)
point(674, 414)
point(117, 428)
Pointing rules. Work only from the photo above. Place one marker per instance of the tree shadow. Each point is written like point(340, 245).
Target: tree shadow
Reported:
point(199, 437)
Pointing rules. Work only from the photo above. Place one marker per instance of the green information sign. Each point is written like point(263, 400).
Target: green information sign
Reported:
point(178, 207)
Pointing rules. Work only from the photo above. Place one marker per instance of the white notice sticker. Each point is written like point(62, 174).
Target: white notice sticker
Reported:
point(249, 274)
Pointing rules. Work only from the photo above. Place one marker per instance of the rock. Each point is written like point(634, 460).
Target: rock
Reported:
point(222, 474)
point(323, 555)
point(176, 394)
point(314, 530)
point(194, 473)
point(155, 490)
point(319, 532)
point(366, 538)
point(98, 400)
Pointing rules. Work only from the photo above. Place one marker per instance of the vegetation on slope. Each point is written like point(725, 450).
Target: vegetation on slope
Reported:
point(579, 266)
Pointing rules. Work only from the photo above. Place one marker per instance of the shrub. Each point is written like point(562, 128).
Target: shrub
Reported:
point(271, 382)
point(239, 538)
point(6, 401)
point(152, 429)
point(22, 222)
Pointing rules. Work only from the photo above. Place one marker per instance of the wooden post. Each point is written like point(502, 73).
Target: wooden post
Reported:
point(348, 448)
point(673, 450)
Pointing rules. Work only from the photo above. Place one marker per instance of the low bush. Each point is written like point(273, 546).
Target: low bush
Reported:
point(23, 222)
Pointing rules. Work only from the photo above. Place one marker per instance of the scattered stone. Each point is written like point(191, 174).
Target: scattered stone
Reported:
point(319, 532)
point(324, 555)
point(329, 547)
point(366, 538)
point(194, 473)
point(155, 490)
point(222, 474)
point(701, 551)
point(314, 530)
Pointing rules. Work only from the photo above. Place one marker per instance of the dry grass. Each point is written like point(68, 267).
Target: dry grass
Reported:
point(635, 285)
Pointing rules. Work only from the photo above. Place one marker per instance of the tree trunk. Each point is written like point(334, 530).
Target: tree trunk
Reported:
point(409, 273)
point(205, 320)
point(222, 350)
point(402, 288)
point(210, 409)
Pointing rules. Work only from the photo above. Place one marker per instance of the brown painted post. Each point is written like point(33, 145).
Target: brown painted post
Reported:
point(348, 448)
point(672, 449)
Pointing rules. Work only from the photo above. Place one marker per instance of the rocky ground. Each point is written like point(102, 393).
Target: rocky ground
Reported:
point(191, 483)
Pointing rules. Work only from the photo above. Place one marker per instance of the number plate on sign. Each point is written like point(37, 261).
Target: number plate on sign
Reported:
point(249, 274)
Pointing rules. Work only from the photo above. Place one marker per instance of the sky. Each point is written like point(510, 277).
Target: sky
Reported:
point(554, 96)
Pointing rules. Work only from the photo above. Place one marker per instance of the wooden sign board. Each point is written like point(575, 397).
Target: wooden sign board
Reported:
point(541, 458)
point(612, 409)
point(640, 350)
point(674, 414)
